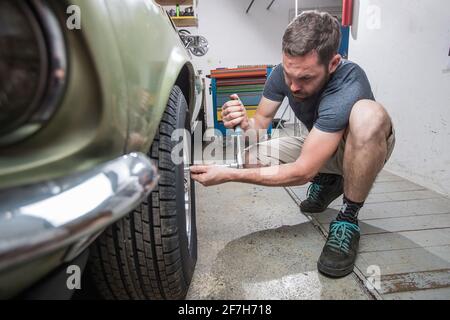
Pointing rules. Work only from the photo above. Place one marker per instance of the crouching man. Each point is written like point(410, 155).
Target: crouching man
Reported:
point(350, 135)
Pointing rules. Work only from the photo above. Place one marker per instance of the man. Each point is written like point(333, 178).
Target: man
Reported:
point(350, 135)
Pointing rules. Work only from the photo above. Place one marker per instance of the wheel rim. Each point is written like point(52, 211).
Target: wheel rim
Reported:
point(187, 187)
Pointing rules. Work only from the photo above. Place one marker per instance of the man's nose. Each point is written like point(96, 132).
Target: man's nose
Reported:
point(295, 87)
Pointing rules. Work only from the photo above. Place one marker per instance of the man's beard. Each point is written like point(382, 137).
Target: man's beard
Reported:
point(301, 98)
point(304, 97)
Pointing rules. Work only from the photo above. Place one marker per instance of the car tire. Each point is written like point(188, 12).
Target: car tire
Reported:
point(151, 253)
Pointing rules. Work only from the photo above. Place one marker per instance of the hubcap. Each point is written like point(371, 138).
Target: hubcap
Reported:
point(187, 186)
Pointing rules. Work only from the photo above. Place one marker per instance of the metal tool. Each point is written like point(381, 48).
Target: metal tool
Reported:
point(238, 135)
point(228, 165)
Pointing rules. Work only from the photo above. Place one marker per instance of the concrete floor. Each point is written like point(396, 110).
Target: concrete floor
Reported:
point(253, 243)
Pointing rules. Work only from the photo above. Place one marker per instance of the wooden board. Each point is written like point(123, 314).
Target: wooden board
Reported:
point(405, 231)
point(175, 2)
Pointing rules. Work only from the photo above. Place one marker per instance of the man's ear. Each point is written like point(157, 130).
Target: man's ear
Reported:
point(334, 63)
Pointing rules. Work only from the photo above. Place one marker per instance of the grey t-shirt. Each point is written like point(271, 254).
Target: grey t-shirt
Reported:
point(329, 110)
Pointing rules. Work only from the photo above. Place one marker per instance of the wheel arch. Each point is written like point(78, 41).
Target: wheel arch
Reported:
point(186, 82)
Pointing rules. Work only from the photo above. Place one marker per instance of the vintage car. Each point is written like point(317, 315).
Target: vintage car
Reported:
point(86, 174)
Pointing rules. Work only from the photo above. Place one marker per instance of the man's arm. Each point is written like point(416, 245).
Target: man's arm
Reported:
point(318, 148)
point(264, 114)
point(233, 113)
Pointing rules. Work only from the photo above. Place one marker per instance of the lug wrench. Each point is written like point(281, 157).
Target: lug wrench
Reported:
point(238, 135)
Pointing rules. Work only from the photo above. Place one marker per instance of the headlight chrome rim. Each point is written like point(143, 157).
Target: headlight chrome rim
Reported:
point(56, 74)
point(22, 62)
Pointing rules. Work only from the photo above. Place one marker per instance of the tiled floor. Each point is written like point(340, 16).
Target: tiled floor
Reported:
point(263, 248)
point(405, 234)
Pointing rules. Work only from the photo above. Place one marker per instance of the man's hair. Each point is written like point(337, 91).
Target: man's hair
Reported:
point(313, 31)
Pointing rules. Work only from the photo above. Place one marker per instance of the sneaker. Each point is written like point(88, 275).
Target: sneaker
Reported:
point(324, 189)
point(339, 253)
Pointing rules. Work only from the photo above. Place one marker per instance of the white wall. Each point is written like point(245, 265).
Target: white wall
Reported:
point(237, 38)
point(405, 54)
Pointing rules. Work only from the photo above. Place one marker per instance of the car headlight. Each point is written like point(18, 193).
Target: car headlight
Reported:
point(32, 67)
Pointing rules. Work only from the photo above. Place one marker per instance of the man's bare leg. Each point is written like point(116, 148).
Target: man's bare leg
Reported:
point(365, 149)
point(364, 157)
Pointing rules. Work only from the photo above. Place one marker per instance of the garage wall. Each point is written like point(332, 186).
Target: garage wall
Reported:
point(237, 38)
point(404, 45)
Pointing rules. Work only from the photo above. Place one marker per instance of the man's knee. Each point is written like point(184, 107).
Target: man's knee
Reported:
point(272, 152)
point(369, 121)
point(251, 157)
point(258, 155)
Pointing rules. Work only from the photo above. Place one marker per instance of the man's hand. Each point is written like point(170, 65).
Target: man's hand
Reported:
point(233, 114)
point(210, 175)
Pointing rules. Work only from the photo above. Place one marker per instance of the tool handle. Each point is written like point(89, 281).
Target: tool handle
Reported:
point(238, 129)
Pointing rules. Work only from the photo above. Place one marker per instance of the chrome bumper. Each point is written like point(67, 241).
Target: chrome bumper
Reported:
point(69, 211)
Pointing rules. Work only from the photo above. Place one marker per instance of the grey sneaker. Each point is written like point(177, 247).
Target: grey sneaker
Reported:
point(324, 189)
point(339, 253)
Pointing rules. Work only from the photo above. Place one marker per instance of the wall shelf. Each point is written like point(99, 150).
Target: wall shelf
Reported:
point(181, 21)
point(185, 21)
point(175, 2)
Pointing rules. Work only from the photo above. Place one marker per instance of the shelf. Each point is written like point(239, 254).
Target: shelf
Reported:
point(185, 21)
point(175, 2)
point(181, 21)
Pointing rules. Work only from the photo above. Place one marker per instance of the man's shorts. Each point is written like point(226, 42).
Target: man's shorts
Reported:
point(287, 149)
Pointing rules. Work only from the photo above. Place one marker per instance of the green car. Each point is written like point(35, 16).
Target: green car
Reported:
point(90, 93)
